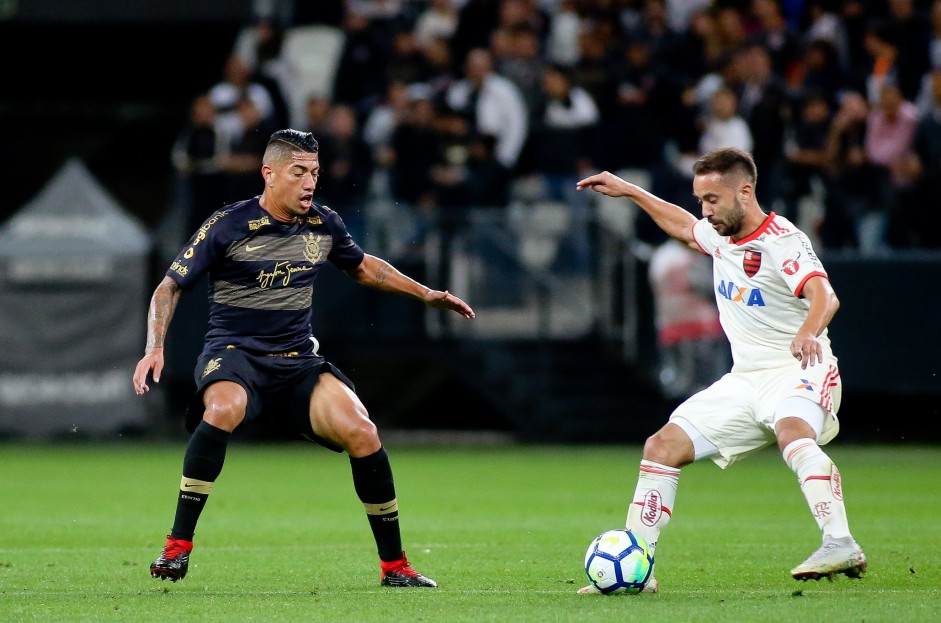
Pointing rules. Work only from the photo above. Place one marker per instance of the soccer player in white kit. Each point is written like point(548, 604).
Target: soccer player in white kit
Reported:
point(775, 302)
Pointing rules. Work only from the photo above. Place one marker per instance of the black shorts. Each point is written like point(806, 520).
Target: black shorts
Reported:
point(278, 388)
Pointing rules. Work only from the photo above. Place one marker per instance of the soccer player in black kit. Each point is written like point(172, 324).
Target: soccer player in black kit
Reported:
point(260, 356)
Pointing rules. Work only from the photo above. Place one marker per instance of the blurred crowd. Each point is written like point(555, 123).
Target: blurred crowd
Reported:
point(436, 106)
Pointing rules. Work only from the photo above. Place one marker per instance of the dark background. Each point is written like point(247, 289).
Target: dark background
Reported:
point(113, 94)
point(111, 84)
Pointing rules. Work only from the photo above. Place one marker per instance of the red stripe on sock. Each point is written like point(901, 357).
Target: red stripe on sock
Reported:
point(798, 449)
point(659, 472)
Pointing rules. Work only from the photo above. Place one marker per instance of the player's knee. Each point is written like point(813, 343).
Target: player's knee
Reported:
point(226, 415)
point(667, 449)
point(361, 439)
point(655, 448)
point(224, 405)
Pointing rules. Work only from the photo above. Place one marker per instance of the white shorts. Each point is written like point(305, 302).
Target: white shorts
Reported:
point(736, 413)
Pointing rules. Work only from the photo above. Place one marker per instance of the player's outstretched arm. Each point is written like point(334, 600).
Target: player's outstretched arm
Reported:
point(671, 218)
point(162, 305)
point(380, 274)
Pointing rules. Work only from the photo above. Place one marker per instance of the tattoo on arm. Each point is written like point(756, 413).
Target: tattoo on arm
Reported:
point(162, 305)
point(382, 274)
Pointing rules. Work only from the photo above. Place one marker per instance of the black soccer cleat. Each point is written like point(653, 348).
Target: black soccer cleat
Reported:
point(400, 573)
point(173, 561)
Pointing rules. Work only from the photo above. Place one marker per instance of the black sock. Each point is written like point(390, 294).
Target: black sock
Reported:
point(202, 464)
point(372, 479)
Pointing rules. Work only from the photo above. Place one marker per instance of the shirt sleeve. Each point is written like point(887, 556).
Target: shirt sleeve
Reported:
point(794, 256)
point(703, 236)
point(200, 252)
point(345, 253)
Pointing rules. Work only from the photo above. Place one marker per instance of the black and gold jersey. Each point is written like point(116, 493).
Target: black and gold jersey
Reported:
point(261, 274)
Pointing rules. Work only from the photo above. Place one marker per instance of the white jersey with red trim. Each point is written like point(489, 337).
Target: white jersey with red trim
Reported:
point(758, 282)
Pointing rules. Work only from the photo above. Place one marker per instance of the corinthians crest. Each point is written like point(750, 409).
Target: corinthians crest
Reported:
point(315, 248)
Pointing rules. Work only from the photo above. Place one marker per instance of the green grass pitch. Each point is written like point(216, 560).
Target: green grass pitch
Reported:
point(502, 528)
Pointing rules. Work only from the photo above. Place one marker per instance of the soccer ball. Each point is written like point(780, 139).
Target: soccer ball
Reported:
point(618, 561)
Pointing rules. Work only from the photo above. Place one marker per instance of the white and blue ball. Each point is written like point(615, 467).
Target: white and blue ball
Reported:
point(618, 561)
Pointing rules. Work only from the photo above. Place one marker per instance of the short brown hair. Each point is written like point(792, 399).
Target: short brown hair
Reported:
point(727, 160)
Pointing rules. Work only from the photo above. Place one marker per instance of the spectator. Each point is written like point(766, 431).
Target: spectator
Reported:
point(691, 348)
point(465, 176)
point(934, 42)
point(384, 117)
point(594, 70)
point(824, 25)
point(890, 135)
point(414, 152)
point(241, 164)
point(236, 84)
point(890, 130)
point(654, 27)
point(852, 196)
point(196, 155)
point(466, 173)
point(400, 132)
point(728, 71)
point(361, 68)
point(523, 14)
point(562, 39)
point(440, 66)
point(316, 114)
point(450, 173)
point(477, 19)
point(699, 50)
point(520, 60)
point(344, 180)
point(645, 106)
point(857, 19)
point(911, 30)
point(406, 61)
point(487, 181)
point(883, 60)
point(806, 153)
point(774, 33)
point(819, 72)
point(259, 47)
point(916, 222)
point(723, 127)
point(494, 105)
point(729, 27)
point(562, 147)
point(438, 20)
point(765, 105)
point(682, 13)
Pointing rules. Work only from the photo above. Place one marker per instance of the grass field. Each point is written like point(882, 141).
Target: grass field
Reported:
point(502, 529)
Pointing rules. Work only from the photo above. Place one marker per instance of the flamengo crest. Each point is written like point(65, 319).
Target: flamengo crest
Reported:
point(752, 262)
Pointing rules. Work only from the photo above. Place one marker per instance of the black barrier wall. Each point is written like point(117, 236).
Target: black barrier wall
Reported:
point(887, 333)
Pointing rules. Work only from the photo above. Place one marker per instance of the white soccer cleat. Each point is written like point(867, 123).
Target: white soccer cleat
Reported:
point(835, 556)
point(652, 586)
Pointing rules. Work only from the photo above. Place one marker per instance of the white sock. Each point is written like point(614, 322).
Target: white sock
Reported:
point(652, 505)
point(820, 481)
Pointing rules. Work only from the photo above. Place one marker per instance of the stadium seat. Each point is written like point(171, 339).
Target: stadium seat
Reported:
point(617, 214)
point(311, 55)
point(539, 227)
